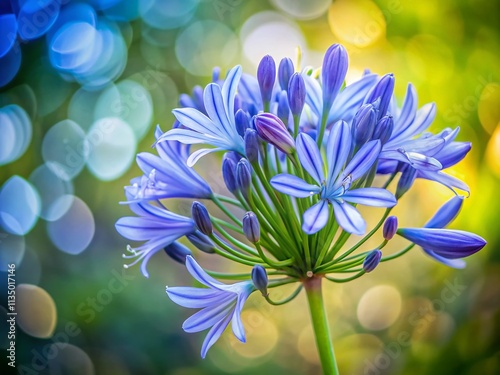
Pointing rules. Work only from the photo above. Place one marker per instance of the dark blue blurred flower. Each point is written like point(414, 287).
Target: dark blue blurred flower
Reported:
point(219, 304)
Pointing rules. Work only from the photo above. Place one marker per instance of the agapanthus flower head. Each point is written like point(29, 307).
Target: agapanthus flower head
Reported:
point(300, 158)
point(219, 304)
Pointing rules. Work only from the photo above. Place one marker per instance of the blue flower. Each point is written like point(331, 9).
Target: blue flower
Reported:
point(155, 225)
point(168, 175)
point(218, 129)
point(445, 245)
point(220, 304)
point(334, 188)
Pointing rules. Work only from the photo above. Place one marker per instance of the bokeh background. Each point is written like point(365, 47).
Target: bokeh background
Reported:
point(82, 85)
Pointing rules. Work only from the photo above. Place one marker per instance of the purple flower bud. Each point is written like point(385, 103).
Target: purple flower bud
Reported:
point(333, 73)
point(259, 278)
point(363, 124)
point(215, 74)
point(390, 227)
point(372, 260)
point(201, 242)
point(296, 94)
point(229, 173)
point(201, 218)
point(198, 99)
point(285, 71)
point(178, 252)
point(251, 227)
point(243, 175)
point(252, 145)
point(242, 122)
point(406, 180)
point(272, 130)
point(283, 109)
point(266, 74)
point(383, 90)
point(384, 128)
point(185, 101)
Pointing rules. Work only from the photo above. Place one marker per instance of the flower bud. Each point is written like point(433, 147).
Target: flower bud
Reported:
point(241, 121)
point(272, 130)
point(285, 71)
point(390, 227)
point(197, 97)
point(363, 124)
point(201, 218)
point(384, 128)
point(252, 145)
point(251, 227)
point(259, 279)
point(215, 74)
point(201, 242)
point(296, 94)
point(178, 252)
point(266, 74)
point(383, 89)
point(372, 260)
point(406, 180)
point(283, 109)
point(333, 73)
point(229, 173)
point(243, 175)
point(185, 101)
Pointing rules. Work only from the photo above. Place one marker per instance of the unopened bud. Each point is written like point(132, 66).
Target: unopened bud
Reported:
point(296, 94)
point(251, 145)
point(390, 227)
point(251, 227)
point(201, 242)
point(266, 75)
point(372, 260)
point(259, 279)
point(243, 175)
point(178, 252)
point(285, 71)
point(272, 130)
point(201, 218)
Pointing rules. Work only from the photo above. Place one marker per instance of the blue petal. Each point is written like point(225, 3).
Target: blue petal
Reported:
point(316, 217)
point(416, 160)
point(376, 197)
point(210, 315)
point(143, 229)
point(188, 136)
point(423, 119)
point(428, 146)
point(313, 94)
point(294, 186)
point(229, 91)
point(452, 153)
point(214, 334)
point(361, 162)
point(408, 111)
point(198, 154)
point(195, 120)
point(445, 179)
point(448, 243)
point(338, 148)
point(214, 105)
point(351, 98)
point(454, 263)
point(236, 323)
point(201, 276)
point(349, 218)
point(310, 157)
point(446, 214)
point(194, 298)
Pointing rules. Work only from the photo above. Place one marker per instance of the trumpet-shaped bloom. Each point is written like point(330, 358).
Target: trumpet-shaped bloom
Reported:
point(218, 128)
point(219, 304)
point(334, 188)
point(167, 175)
point(445, 245)
point(155, 225)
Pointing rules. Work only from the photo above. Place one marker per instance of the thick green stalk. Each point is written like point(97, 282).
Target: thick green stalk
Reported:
point(320, 325)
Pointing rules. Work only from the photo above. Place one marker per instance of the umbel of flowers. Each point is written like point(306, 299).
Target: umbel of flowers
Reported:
point(300, 154)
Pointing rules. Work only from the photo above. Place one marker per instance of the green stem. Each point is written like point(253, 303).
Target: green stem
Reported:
point(398, 254)
point(320, 325)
